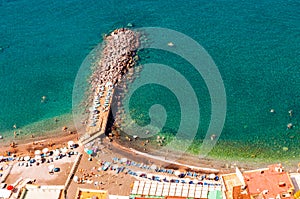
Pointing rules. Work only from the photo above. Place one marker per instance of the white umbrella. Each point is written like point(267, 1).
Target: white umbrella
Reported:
point(70, 143)
point(64, 150)
point(211, 176)
point(38, 157)
point(123, 160)
point(50, 168)
point(153, 167)
point(37, 152)
point(26, 158)
point(45, 150)
point(56, 152)
point(177, 173)
point(75, 178)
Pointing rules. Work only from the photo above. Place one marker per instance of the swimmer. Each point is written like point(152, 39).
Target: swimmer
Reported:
point(291, 113)
point(43, 98)
point(170, 44)
point(213, 137)
point(289, 125)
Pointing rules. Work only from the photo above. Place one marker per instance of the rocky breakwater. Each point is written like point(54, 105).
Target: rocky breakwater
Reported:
point(117, 58)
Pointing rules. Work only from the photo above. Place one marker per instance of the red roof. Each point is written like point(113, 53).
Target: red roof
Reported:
point(268, 182)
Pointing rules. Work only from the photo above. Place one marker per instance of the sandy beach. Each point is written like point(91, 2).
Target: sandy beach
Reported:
point(28, 146)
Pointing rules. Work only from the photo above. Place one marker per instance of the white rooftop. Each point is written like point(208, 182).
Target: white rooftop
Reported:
point(49, 192)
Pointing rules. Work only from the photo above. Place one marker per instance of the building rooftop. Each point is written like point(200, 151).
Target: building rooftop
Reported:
point(230, 181)
point(91, 194)
point(171, 190)
point(271, 182)
point(49, 192)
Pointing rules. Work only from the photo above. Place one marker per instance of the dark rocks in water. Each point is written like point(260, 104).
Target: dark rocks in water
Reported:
point(2, 48)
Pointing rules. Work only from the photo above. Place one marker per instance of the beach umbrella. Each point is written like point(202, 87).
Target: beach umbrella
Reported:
point(153, 167)
point(56, 152)
point(26, 158)
point(70, 143)
point(45, 150)
point(64, 150)
point(38, 157)
point(9, 187)
point(123, 160)
point(1, 158)
point(50, 167)
point(212, 176)
point(75, 178)
point(37, 152)
point(56, 169)
point(89, 152)
point(177, 173)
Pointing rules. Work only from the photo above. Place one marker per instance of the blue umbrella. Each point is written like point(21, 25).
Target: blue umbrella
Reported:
point(89, 152)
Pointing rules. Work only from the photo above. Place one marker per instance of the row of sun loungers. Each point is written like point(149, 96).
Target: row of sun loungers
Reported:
point(163, 170)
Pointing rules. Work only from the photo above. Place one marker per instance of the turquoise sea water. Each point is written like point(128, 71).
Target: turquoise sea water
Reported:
point(254, 44)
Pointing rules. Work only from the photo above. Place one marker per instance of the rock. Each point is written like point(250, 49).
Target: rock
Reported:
point(130, 25)
point(285, 148)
